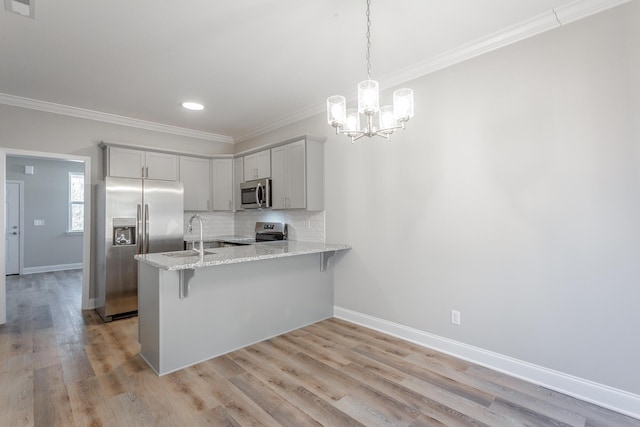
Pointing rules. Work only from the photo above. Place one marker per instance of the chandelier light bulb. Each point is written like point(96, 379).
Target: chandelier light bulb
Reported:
point(403, 104)
point(368, 98)
point(387, 119)
point(336, 110)
point(352, 122)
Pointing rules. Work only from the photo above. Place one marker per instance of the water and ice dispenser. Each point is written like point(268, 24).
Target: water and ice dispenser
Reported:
point(124, 231)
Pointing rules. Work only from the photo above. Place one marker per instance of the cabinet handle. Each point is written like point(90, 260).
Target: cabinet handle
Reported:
point(142, 172)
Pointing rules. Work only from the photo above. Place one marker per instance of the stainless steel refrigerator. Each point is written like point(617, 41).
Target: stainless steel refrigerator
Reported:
point(134, 216)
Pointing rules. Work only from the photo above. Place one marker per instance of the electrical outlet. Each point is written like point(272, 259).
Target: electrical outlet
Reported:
point(38, 222)
point(455, 317)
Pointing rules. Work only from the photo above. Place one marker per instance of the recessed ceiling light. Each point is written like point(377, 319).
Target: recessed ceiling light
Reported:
point(189, 105)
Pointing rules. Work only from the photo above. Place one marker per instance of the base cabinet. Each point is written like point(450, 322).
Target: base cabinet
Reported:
point(228, 307)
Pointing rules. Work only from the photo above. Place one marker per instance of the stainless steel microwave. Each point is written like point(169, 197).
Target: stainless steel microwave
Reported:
point(256, 194)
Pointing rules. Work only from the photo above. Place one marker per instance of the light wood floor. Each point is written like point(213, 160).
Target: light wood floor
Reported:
point(63, 367)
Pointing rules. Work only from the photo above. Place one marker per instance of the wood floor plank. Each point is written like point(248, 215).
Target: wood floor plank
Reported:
point(433, 409)
point(16, 398)
point(87, 403)
point(237, 404)
point(282, 411)
point(479, 396)
point(63, 366)
point(51, 398)
point(291, 387)
point(218, 416)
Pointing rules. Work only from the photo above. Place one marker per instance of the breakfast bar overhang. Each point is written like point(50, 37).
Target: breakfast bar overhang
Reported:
point(191, 310)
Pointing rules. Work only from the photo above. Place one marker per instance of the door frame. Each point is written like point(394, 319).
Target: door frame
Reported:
point(21, 229)
point(86, 246)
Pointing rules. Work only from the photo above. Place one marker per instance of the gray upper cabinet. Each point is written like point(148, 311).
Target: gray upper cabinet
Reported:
point(257, 165)
point(195, 174)
point(222, 184)
point(128, 163)
point(298, 175)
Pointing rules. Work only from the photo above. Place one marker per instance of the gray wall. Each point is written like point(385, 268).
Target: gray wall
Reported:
point(513, 196)
point(46, 197)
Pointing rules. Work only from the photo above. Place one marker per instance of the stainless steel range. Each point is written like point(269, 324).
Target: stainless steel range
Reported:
point(270, 231)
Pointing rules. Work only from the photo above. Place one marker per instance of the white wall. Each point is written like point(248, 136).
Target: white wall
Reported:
point(513, 197)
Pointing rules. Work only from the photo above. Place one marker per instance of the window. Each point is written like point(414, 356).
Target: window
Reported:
point(76, 201)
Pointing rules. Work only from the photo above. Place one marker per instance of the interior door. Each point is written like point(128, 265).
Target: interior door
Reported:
point(12, 228)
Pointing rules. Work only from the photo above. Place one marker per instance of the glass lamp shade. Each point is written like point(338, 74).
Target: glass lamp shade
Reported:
point(387, 119)
point(403, 104)
point(352, 122)
point(336, 110)
point(368, 96)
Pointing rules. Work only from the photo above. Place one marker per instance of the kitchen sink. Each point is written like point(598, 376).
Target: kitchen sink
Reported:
point(186, 254)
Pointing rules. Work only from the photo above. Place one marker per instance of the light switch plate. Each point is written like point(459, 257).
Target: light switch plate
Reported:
point(38, 222)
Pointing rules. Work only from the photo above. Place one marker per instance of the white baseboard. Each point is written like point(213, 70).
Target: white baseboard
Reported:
point(49, 268)
point(589, 391)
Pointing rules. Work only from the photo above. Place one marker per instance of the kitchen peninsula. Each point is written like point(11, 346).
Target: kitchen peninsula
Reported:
point(192, 310)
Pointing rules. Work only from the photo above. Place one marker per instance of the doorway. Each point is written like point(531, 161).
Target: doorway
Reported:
point(14, 209)
point(86, 238)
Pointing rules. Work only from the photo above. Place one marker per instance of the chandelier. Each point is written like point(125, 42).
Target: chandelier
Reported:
point(390, 117)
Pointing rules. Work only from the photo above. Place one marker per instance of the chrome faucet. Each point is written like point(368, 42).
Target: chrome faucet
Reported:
point(201, 249)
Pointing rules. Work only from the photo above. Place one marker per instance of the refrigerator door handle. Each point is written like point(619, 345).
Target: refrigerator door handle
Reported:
point(146, 229)
point(139, 228)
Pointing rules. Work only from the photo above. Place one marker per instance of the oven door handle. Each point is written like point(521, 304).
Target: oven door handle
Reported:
point(258, 195)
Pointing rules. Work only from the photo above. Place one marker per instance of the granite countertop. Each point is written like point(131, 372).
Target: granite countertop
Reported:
point(184, 260)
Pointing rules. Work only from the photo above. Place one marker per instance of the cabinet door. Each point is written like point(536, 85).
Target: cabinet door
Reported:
point(250, 167)
point(296, 176)
point(161, 166)
point(279, 180)
point(263, 164)
point(125, 163)
point(238, 178)
point(257, 165)
point(195, 175)
point(222, 184)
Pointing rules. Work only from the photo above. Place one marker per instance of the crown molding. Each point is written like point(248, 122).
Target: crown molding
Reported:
point(573, 11)
point(66, 110)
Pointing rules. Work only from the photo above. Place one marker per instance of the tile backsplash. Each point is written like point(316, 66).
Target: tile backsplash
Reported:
point(302, 225)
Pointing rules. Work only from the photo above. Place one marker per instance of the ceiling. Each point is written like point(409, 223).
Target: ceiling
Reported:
point(254, 64)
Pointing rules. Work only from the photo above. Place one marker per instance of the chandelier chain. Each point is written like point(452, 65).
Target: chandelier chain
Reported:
point(368, 40)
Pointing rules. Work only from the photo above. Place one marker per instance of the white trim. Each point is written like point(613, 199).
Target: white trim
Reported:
point(3, 281)
point(67, 110)
point(49, 268)
point(21, 228)
point(571, 12)
point(91, 304)
point(589, 391)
